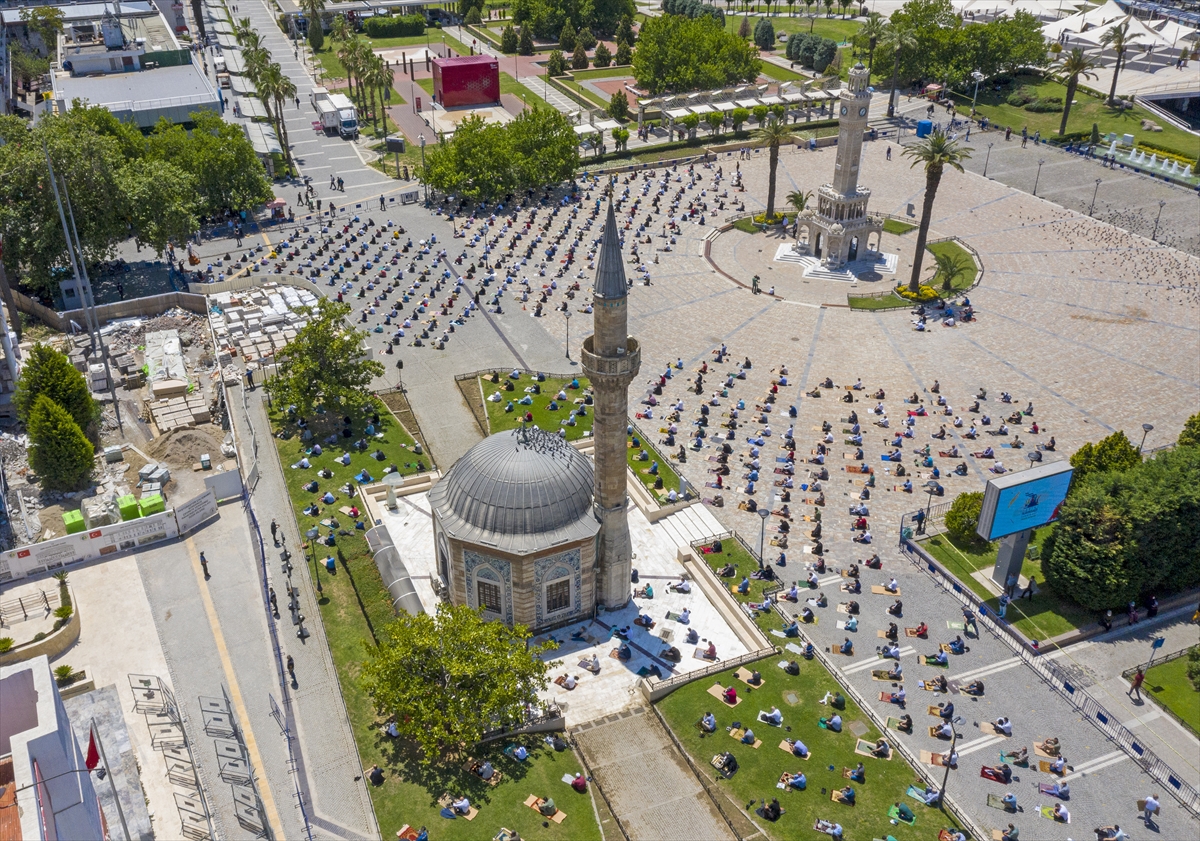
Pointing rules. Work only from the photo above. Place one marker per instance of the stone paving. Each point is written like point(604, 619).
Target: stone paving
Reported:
point(650, 787)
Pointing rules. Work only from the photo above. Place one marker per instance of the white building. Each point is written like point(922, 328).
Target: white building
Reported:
point(39, 755)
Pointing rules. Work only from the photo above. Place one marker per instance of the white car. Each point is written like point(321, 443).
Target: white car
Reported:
point(782, 36)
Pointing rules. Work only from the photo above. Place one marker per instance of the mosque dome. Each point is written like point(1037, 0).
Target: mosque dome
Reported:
point(519, 491)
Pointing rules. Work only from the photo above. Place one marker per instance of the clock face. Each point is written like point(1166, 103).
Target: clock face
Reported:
point(862, 112)
point(844, 110)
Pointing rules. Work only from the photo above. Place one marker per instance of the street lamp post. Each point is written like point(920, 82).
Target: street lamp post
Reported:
point(1094, 192)
point(978, 77)
point(567, 316)
point(1039, 175)
point(421, 142)
point(1147, 428)
point(1161, 204)
point(312, 535)
point(763, 513)
point(987, 158)
point(946, 776)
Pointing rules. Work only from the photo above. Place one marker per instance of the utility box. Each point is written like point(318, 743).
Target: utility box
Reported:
point(466, 80)
point(73, 520)
point(924, 128)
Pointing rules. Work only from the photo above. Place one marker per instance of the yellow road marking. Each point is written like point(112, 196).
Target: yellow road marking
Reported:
point(235, 693)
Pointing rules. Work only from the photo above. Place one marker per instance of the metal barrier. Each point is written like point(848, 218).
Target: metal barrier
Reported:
point(1061, 682)
point(672, 683)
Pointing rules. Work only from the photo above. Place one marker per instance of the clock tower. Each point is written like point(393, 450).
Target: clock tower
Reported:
point(839, 227)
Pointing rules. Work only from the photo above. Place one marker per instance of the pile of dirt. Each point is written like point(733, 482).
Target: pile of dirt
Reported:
point(183, 447)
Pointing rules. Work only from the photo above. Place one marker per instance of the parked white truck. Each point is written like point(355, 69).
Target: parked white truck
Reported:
point(336, 112)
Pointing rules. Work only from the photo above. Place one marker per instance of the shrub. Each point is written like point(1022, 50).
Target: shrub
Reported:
point(625, 32)
point(556, 65)
point(586, 38)
point(602, 57)
point(579, 60)
point(508, 40)
point(65, 675)
point(739, 116)
point(762, 219)
point(566, 38)
point(1190, 436)
point(618, 106)
point(525, 43)
point(925, 293)
point(764, 34)
point(624, 55)
point(402, 26)
point(824, 55)
point(963, 517)
point(473, 17)
point(6, 644)
point(50, 373)
point(61, 455)
point(64, 612)
point(1193, 666)
point(1113, 453)
point(744, 29)
point(1021, 97)
point(1048, 105)
point(39, 636)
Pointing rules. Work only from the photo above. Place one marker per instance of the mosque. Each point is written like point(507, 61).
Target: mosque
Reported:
point(525, 527)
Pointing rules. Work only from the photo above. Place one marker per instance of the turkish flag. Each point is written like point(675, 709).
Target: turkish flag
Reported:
point(93, 755)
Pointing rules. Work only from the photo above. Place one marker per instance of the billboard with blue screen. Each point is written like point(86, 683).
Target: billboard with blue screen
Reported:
point(1024, 500)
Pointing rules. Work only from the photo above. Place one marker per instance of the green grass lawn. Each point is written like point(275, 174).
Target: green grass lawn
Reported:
point(733, 552)
point(588, 95)
point(603, 73)
point(827, 27)
point(759, 770)
point(1045, 616)
point(500, 420)
point(963, 256)
point(670, 478)
point(1169, 685)
point(1086, 110)
point(886, 302)
point(895, 226)
point(781, 74)
point(354, 603)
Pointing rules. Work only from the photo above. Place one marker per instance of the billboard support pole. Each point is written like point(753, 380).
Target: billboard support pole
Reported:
point(1011, 555)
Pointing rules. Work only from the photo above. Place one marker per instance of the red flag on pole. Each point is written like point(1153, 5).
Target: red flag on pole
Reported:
point(93, 755)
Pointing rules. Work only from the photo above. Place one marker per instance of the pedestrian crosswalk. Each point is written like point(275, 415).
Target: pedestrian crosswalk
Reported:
point(877, 662)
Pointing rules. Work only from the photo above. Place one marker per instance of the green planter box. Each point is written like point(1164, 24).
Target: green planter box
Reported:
point(73, 520)
point(152, 504)
point(128, 506)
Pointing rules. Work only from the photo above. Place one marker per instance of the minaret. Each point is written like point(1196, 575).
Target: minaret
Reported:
point(611, 359)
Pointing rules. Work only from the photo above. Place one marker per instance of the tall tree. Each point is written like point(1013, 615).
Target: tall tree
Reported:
point(162, 202)
point(314, 10)
point(798, 200)
point(339, 30)
point(450, 678)
point(324, 366)
point(1119, 40)
point(934, 152)
point(60, 454)
point(274, 88)
point(950, 267)
point(1074, 64)
point(1113, 453)
point(897, 39)
point(873, 29)
point(773, 134)
point(49, 373)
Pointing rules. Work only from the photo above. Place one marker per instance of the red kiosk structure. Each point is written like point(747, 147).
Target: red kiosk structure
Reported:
point(466, 80)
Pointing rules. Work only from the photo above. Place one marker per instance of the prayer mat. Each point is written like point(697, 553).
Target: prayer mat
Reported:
point(893, 723)
point(992, 774)
point(762, 717)
point(882, 635)
point(1047, 789)
point(997, 802)
point(795, 649)
point(955, 626)
point(737, 733)
point(841, 626)
point(718, 692)
point(836, 797)
point(933, 731)
point(587, 664)
point(834, 649)
point(931, 660)
point(990, 729)
point(446, 802)
point(1047, 812)
point(911, 632)
point(863, 748)
point(880, 590)
point(894, 814)
point(1040, 749)
point(744, 676)
point(533, 802)
point(561, 680)
point(882, 675)
point(1046, 768)
point(1011, 759)
point(945, 647)
point(824, 826)
point(915, 793)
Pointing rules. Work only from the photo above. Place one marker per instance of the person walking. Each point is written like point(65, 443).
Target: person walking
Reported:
point(1135, 686)
point(274, 602)
point(889, 153)
point(1027, 593)
point(204, 564)
point(291, 669)
point(274, 529)
point(1149, 809)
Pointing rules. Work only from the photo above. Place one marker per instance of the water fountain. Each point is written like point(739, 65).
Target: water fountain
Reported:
point(1112, 149)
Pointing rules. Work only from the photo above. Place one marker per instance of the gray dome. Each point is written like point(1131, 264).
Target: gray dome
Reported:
point(521, 491)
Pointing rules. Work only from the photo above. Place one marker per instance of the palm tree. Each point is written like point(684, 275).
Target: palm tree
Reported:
point(255, 60)
point(873, 28)
point(276, 88)
point(339, 31)
point(949, 268)
point(1074, 64)
point(798, 200)
point(935, 152)
point(349, 53)
point(243, 33)
point(897, 38)
point(773, 134)
point(1118, 39)
point(378, 78)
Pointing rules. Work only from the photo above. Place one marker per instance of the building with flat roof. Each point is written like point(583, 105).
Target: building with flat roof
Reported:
point(125, 62)
point(42, 763)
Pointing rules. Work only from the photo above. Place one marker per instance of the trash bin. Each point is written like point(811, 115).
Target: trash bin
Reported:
point(924, 128)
